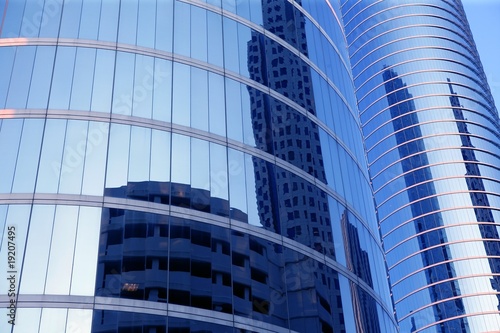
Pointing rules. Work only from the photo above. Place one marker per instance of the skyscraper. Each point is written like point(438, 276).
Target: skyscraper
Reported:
point(178, 166)
point(245, 166)
point(432, 135)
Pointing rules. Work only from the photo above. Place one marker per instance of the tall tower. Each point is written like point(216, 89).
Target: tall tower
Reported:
point(184, 166)
point(432, 136)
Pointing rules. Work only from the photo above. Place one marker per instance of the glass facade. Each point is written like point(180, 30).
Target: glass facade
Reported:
point(432, 136)
point(184, 166)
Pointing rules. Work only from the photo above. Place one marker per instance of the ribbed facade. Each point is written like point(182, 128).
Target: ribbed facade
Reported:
point(432, 137)
point(184, 166)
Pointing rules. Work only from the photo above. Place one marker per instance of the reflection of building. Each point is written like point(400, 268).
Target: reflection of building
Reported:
point(359, 263)
point(477, 191)
point(428, 223)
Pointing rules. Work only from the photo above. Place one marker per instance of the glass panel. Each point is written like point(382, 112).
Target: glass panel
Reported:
point(162, 95)
point(139, 158)
point(86, 248)
point(124, 83)
point(160, 156)
point(79, 321)
point(53, 320)
point(109, 20)
point(116, 173)
point(27, 159)
point(219, 180)
point(181, 95)
point(95, 158)
point(81, 94)
point(181, 162)
point(127, 28)
point(182, 24)
point(27, 320)
point(74, 154)
point(37, 250)
point(233, 110)
point(17, 220)
point(143, 87)
point(70, 21)
point(42, 75)
point(61, 251)
point(217, 116)
point(199, 33)
point(21, 76)
point(51, 17)
point(10, 137)
point(237, 185)
point(7, 56)
point(164, 25)
point(62, 77)
point(146, 24)
point(89, 23)
point(199, 100)
point(13, 19)
point(215, 46)
point(103, 81)
point(200, 177)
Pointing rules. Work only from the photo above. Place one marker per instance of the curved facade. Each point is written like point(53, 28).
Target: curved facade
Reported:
point(432, 136)
point(184, 166)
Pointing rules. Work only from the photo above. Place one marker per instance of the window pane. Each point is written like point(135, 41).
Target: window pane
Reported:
point(42, 74)
point(127, 28)
point(27, 320)
point(70, 21)
point(199, 100)
point(52, 164)
point(200, 177)
point(109, 20)
point(51, 17)
point(143, 87)
point(18, 217)
point(160, 156)
point(27, 159)
point(116, 174)
point(124, 83)
point(81, 94)
point(164, 22)
point(37, 250)
point(138, 164)
point(75, 145)
point(62, 78)
point(61, 251)
point(182, 95)
point(103, 81)
point(95, 158)
point(90, 19)
point(162, 94)
point(86, 248)
point(216, 104)
point(146, 24)
point(21, 76)
point(7, 56)
point(10, 137)
point(181, 164)
point(79, 321)
point(53, 320)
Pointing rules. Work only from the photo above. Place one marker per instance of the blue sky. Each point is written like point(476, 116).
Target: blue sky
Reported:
point(484, 20)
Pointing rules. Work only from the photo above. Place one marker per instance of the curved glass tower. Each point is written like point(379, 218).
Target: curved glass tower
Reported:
point(432, 136)
point(184, 166)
